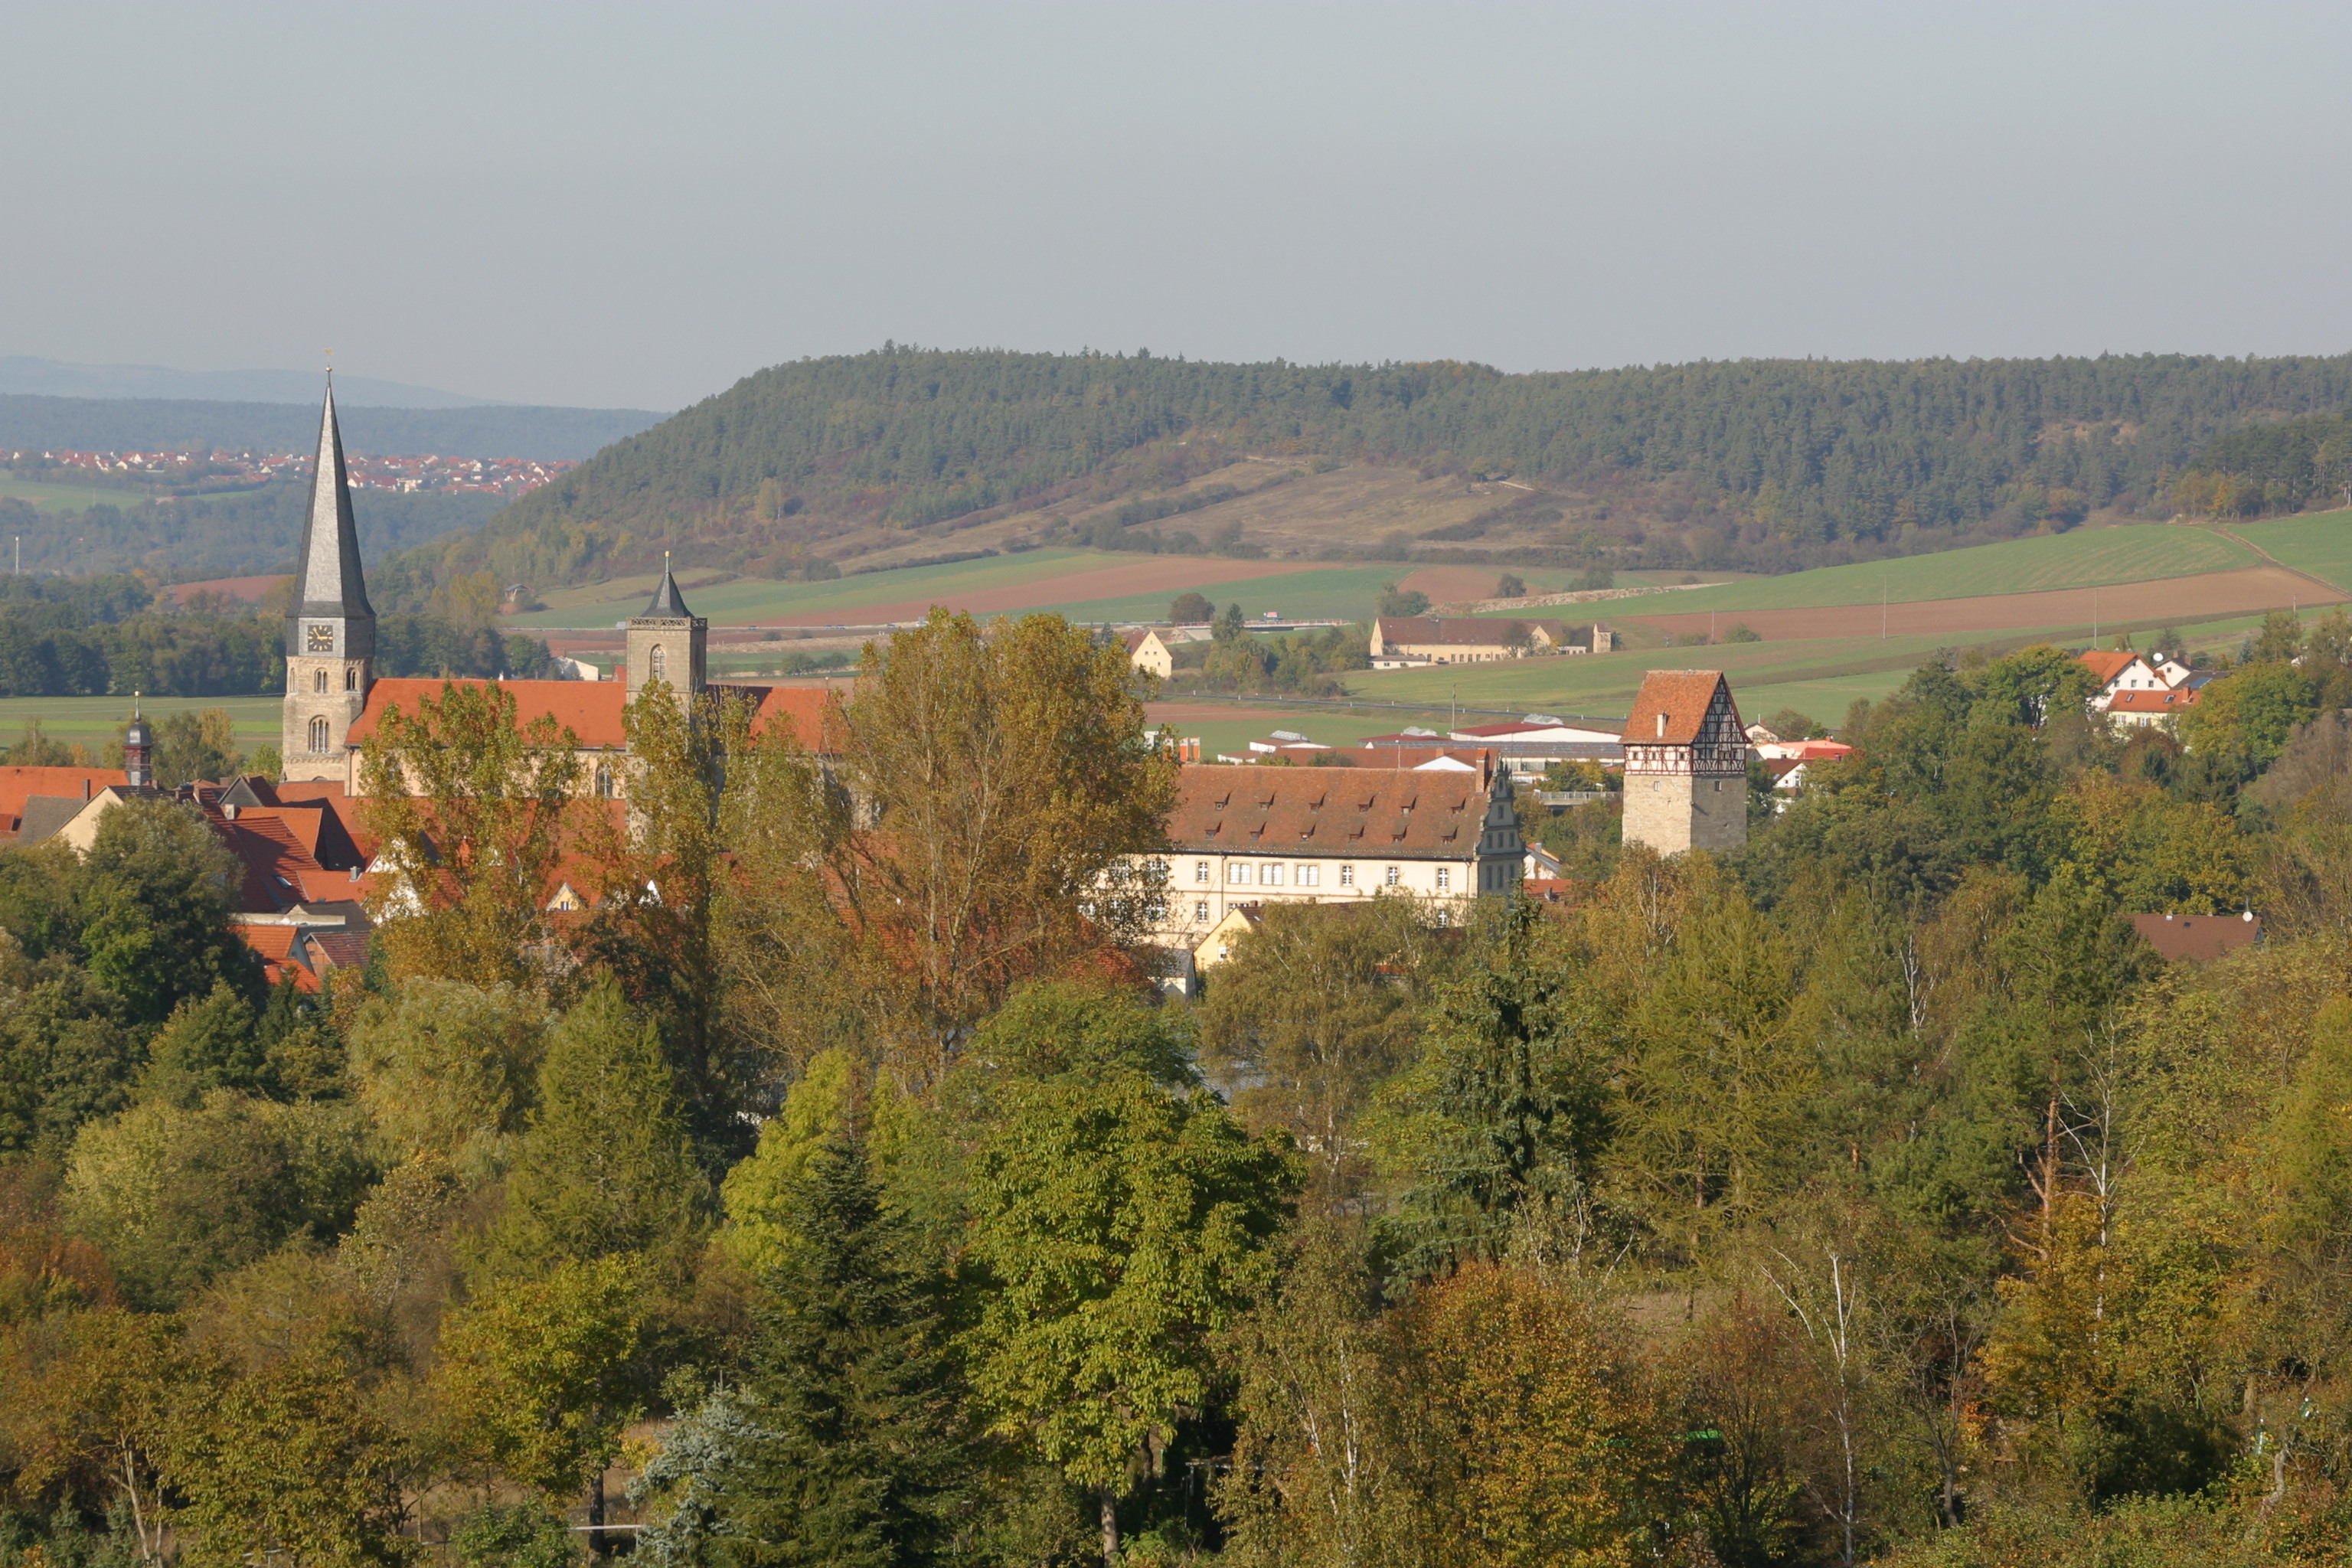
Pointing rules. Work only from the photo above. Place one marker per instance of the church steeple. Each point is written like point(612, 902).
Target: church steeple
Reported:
point(330, 628)
point(329, 586)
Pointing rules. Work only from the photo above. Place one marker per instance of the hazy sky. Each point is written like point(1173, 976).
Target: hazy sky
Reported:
point(636, 205)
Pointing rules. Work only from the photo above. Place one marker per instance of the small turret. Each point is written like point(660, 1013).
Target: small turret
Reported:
point(137, 749)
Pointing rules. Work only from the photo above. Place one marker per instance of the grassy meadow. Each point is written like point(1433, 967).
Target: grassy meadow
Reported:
point(2319, 543)
point(95, 721)
point(2087, 558)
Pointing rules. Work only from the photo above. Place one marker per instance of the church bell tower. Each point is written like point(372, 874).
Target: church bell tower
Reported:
point(330, 629)
point(668, 643)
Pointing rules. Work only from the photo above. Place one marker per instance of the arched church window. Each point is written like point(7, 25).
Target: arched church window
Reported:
point(350, 680)
point(658, 660)
point(318, 735)
point(604, 782)
point(318, 682)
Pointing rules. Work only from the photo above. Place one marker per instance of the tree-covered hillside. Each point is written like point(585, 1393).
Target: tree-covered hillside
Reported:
point(1788, 462)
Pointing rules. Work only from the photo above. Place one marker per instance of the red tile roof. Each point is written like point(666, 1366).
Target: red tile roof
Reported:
point(2106, 664)
point(2152, 701)
point(2198, 938)
point(331, 795)
point(1671, 706)
point(275, 946)
point(1374, 813)
point(591, 710)
point(814, 712)
point(19, 784)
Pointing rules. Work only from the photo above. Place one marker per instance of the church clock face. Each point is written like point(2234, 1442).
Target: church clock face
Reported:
point(322, 637)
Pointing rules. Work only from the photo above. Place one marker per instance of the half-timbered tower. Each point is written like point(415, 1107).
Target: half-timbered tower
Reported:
point(1685, 765)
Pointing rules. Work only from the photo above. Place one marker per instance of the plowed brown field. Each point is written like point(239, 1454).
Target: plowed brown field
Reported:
point(1455, 584)
point(2209, 598)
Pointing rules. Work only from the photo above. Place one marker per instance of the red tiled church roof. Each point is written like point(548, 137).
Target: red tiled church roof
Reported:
point(593, 709)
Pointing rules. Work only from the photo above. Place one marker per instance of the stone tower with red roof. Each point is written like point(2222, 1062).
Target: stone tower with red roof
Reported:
point(331, 629)
point(1685, 765)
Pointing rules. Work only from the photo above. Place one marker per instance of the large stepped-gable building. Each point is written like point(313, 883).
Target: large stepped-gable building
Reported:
point(1685, 763)
point(335, 701)
point(1244, 835)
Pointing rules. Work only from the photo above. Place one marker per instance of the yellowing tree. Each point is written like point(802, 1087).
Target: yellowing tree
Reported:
point(972, 825)
point(472, 810)
point(1527, 1436)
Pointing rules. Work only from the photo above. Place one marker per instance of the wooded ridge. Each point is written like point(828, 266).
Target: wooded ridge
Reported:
point(1772, 464)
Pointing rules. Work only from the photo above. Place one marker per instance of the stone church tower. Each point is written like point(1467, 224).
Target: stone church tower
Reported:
point(669, 642)
point(1685, 765)
point(330, 630)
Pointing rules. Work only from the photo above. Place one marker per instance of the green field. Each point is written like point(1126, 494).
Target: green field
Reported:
point(65, 497)
point(1342, 590)
point(93, 722)
point(1321, 594)
point(2091, 558)
point(2320, 543)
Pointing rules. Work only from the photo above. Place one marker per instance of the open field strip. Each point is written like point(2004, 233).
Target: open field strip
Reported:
point(1037, 579)
point(2319, 543)
point(2089, 557)
point(2206, 597)
point(94, 721)
point(46, 497)
point(759, 599)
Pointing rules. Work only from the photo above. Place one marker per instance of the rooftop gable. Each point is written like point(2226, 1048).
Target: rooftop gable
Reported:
point(1673, 707)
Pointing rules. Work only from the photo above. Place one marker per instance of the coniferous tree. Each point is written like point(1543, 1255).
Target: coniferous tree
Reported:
point(851, 1448)
point(607, 1167)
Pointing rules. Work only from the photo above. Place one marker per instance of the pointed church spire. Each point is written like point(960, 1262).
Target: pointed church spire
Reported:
point(329, 569)
point(667, 603)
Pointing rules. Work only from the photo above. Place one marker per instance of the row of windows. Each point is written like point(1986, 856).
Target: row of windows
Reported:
point(350, 680)
point(1305, 874)
point(1200, 917)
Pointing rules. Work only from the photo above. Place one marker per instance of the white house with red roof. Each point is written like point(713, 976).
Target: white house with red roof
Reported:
point(2119, 670)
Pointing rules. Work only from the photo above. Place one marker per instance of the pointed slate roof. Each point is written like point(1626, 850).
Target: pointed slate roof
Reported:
point(330, 563)
point(667, 603)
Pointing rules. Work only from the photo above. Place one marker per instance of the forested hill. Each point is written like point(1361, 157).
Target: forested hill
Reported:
point(1825, 458)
